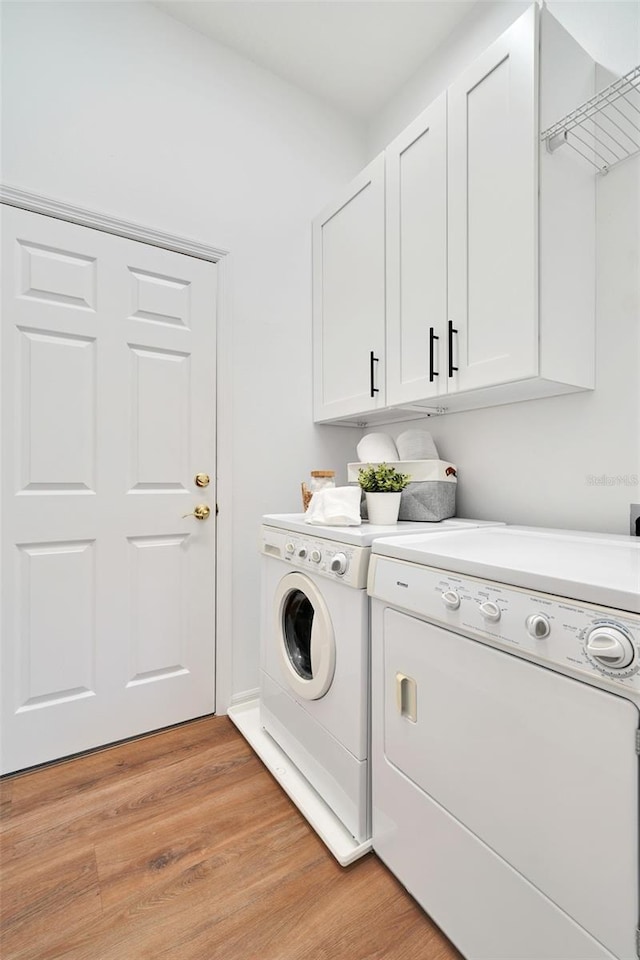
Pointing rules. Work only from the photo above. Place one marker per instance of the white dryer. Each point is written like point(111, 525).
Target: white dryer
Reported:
point(314, 677)
point(505, 716)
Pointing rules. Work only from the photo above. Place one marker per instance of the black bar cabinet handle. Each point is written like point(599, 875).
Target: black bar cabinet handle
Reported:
point(372, 359)
point(452, 330)
point(432, 373)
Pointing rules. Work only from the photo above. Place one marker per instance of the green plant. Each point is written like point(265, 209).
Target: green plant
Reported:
point(382, 479)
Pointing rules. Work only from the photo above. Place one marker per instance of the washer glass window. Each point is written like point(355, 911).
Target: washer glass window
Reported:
point(297, 623)
point(304, 636)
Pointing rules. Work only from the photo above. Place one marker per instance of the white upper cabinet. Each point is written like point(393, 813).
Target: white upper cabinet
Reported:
point(416, 179)
point(490, 248)
point(348, 299)
point(492, 206)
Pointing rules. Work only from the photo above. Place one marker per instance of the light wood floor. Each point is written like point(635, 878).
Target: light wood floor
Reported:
point(180, 846)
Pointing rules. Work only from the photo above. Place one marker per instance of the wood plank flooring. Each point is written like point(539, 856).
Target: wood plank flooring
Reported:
point(180, 846)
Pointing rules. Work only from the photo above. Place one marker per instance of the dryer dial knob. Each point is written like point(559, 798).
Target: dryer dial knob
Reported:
point(451, 599)
point(339, 564)
point(538, 626)
point(490, 611)
point(609, 647)
point(316, 556)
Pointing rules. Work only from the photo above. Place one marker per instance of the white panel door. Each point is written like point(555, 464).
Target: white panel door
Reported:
point(348, 299)
point(493, 203)
point(108, 413)
point(416, 201)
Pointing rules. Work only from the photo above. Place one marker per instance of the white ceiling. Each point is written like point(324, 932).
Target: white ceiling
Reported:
point(354, 53)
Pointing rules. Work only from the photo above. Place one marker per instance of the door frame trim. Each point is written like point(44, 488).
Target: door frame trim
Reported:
point(60, 210)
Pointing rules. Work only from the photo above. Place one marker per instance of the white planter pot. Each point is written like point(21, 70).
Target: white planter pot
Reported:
point(383, 508)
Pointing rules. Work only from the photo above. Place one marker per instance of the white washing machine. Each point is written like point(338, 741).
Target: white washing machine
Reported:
point(314, 678)
point(505, 716)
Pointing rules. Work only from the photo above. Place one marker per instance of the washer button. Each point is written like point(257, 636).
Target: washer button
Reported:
point(316, 556)
point(339, 564)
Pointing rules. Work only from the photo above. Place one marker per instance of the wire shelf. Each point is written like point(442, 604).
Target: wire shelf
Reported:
point(606, 129)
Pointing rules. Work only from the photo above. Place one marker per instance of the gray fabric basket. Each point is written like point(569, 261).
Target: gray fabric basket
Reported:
point(430, 500)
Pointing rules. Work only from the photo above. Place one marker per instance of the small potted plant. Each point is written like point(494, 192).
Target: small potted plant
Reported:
point(383, 486)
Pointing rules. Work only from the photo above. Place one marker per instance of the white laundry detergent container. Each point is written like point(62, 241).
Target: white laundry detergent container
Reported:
point(431, 494)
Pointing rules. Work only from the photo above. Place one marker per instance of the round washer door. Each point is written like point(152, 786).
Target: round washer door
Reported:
point(304, 636)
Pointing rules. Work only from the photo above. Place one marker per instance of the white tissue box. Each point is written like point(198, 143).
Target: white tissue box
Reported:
point(431, 493)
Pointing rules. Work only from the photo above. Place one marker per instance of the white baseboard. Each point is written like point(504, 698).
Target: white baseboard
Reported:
point(237, 699)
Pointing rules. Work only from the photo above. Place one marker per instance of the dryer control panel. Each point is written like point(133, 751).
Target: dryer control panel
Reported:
point(327, 558)
point(589, 642)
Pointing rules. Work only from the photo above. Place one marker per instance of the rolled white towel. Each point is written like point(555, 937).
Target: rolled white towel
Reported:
point(416, 445)
point(377, 448)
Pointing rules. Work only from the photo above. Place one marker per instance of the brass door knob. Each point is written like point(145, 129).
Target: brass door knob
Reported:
point(201, 512)
point(202, 479)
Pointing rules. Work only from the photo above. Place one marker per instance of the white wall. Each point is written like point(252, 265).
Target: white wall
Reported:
point(119, 108)
point(608, 29)
point(535, 462)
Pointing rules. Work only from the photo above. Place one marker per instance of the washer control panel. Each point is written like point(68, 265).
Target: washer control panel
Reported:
point(581, 639)
point(338, 561)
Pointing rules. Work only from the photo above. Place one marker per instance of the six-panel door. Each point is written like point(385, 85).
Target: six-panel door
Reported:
point(108, 392)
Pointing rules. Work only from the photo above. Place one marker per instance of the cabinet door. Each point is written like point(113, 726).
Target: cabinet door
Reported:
point(348, 299)
point(492, 161)
point(416, 198)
